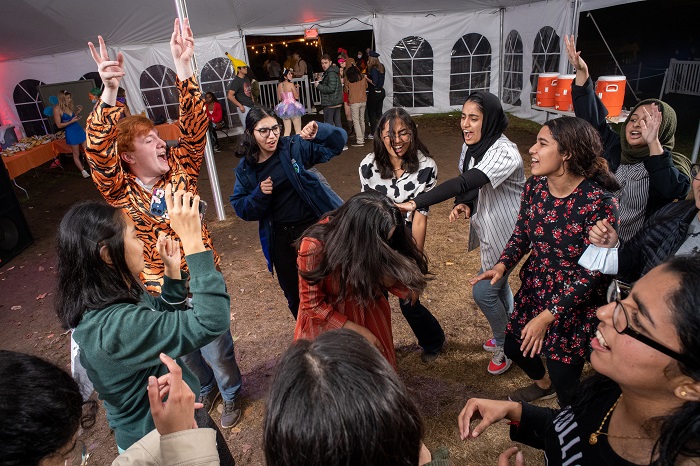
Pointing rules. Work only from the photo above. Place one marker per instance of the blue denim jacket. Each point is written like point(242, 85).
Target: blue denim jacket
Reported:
point(297, 156)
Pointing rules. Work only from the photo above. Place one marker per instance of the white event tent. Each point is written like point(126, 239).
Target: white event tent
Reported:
point(435, 51)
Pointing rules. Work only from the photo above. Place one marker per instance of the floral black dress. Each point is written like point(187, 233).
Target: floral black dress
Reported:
point(556, 232)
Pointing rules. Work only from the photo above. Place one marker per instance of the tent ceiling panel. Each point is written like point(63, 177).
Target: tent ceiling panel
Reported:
point(31, 28)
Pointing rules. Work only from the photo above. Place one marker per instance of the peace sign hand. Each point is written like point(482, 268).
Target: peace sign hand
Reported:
point(111, 71)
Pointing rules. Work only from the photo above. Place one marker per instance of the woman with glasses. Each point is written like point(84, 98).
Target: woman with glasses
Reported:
point(401, 168)
point(641, 155)
point(276, 187)
point(643, 405)
point(672, 231)
point(492, 177)
point(554, 309)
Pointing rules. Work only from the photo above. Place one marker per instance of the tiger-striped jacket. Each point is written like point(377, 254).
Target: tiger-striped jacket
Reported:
point(120, 187)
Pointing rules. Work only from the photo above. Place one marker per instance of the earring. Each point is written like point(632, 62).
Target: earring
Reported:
point(683, 393)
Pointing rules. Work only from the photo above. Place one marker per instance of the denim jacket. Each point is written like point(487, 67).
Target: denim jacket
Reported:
point(297, 156)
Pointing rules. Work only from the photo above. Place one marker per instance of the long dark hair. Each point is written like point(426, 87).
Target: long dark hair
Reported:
point(283, 75)
point(581, 142)
point(247, 147)
point(358, 253)
point(680, 430)
point(41, 411)
point(409, 162)
point(85, 280)
point(337, 401)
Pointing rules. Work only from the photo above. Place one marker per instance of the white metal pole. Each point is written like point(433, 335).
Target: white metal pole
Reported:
point(181, 7)
point(696, 146)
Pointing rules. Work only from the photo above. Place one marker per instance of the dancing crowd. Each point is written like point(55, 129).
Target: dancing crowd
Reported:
point(139, 282)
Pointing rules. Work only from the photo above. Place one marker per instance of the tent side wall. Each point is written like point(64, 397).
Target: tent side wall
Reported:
point(455, 49)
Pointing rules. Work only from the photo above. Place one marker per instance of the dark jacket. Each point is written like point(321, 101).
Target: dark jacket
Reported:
point(666, 182)
point(330, 89)
point(660, 237)
point(297, 156)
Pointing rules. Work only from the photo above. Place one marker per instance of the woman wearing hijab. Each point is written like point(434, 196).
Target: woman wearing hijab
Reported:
point(492, 177)
point(640, 156)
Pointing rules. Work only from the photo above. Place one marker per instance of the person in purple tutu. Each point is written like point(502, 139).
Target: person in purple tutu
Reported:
point(289, 109)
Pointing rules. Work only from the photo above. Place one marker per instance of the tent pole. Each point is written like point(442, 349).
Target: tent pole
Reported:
point(574, 30)
point(500, 57)
point(208, 152)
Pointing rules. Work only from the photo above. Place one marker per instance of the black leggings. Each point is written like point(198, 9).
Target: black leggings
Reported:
point(284, 260)
point(565, 377)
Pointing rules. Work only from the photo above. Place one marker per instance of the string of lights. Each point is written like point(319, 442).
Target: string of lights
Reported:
point(269, 46)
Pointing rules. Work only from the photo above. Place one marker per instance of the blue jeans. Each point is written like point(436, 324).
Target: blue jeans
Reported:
point(222, 368)
point(243, 115)
point(496, 302)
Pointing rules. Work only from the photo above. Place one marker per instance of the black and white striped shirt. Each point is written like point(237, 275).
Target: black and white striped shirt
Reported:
point(633, 197)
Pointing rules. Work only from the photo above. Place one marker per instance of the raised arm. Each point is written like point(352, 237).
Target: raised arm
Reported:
point(576, 61)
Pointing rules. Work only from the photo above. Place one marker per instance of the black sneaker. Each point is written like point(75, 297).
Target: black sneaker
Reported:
point(210, 399)
point(532, 393)
point(217, 149)
point(428, 358)
point(231, 414)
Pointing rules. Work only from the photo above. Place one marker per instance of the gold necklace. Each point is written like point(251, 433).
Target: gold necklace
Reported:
point(593, 438)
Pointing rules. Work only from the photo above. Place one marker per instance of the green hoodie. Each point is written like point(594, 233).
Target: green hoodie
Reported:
point(330, 89)
point(120, 344)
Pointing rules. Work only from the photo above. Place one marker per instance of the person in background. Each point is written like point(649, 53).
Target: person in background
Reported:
point(400, 168)
point(375, 91)
point(356, 84)
point(121, 98)
point(275, 186)
point(42, 428)
point(361, 62)
point(643, 405)
point(131, 167)
point(339, 383)
point(331, 91)
point(492, 178)
point(216, 118)
point(299, 67)
point(240, 93)
point(348, 262)
point(65, 117)
point(273, 69)
point(554, 310)
point(673, 230)
point(289, 109)
point(640, 156)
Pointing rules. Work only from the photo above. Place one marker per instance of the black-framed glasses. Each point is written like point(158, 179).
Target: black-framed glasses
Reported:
point(265, 132)
point(616, 292)
point(695, 171)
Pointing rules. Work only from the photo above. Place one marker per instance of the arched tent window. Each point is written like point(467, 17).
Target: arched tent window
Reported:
point(159, 93)
point(95, 76)
point(513, 68)
point(30, 108)
point(470, 67)
point(545, 57)
point(216, 76)
point(412, 65)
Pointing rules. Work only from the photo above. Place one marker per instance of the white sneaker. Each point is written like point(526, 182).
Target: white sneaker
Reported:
point(499, 362)
point(345, 148)
point(85, 174)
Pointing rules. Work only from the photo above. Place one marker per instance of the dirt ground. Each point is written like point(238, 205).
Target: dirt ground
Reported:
point(260, 321)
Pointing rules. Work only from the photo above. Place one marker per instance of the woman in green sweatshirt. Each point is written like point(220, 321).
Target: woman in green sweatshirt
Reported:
point(120, 328)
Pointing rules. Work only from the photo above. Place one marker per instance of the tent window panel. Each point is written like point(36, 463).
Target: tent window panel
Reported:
point(412, 64)
point(403, 99)
point(401, 67)
point(459, 81)
point(147, 81)
point(152, 97)
point(216, 76)
point(423, 67)
point(481, 63)
point(30, 108)
point(173, 111)
point(28, 112)
point(458, 97)
point(423, 84)
point(403, 84)
point(460, 66)
point(95, 76)
point(545, 57)
point(479, 81)
point(171, 95)
point(423, 99)
point(157, 114)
